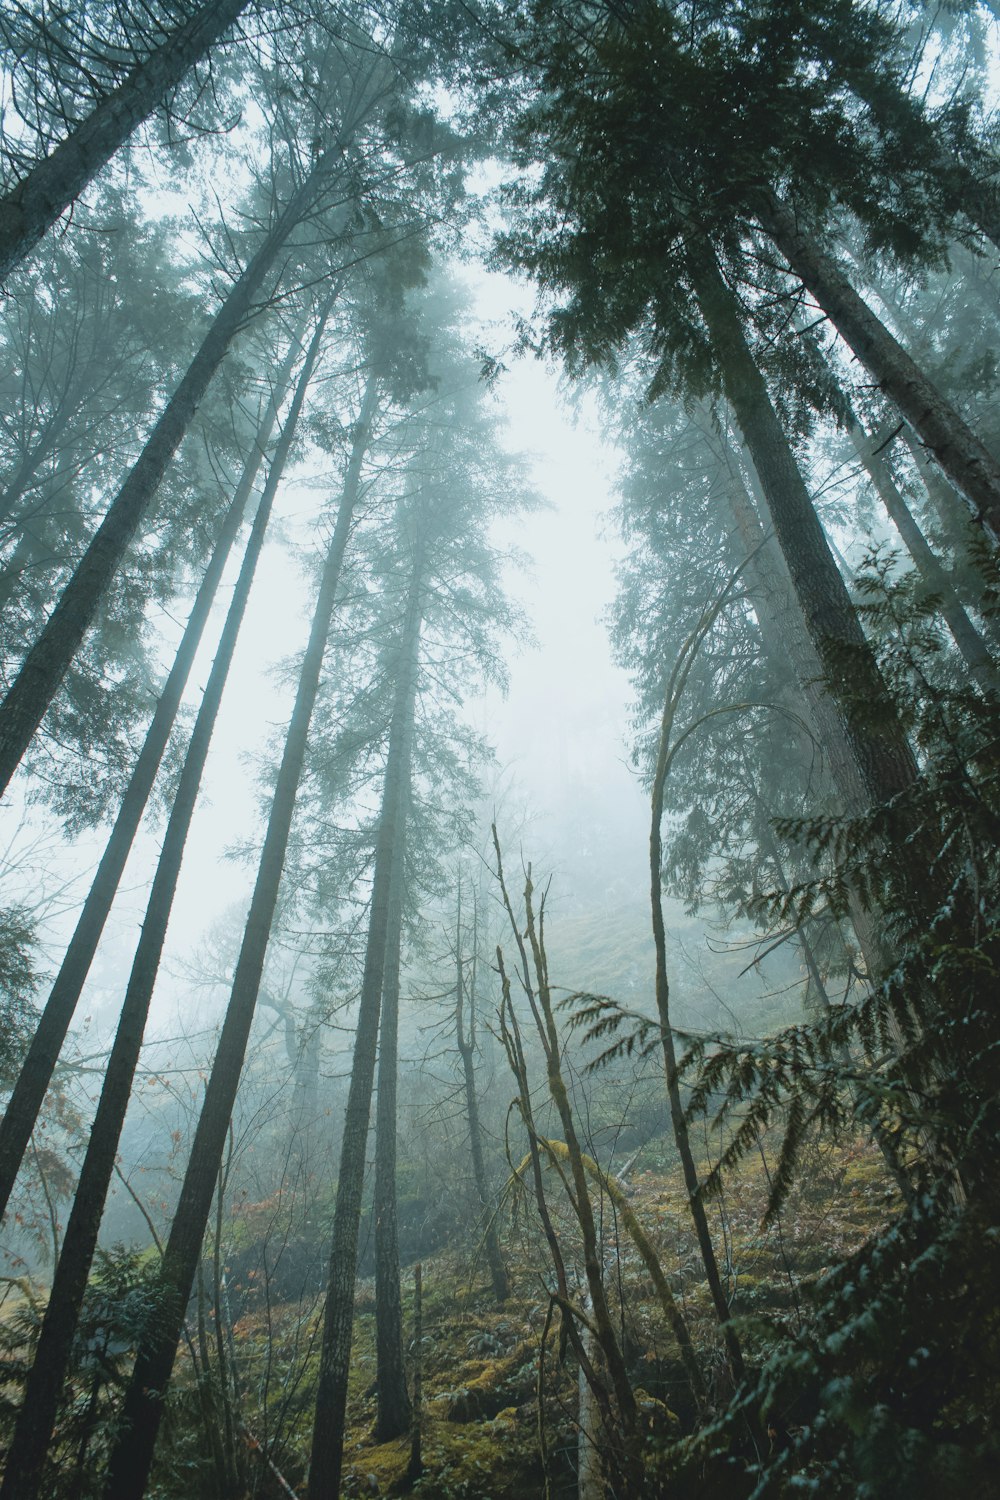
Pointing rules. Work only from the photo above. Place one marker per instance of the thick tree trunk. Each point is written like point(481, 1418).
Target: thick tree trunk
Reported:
point(466, 1040)
point(45, 665)
point(36, 1073)
point(971, 646)
point(331, 1392)
point(967, 462)
point(880, 751)
point(133, 1453)
point(36, 1419)
point(393, 1413)
point(784, 632)
point(48, 189)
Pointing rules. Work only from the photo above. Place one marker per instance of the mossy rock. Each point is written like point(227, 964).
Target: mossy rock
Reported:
point(502, 1383)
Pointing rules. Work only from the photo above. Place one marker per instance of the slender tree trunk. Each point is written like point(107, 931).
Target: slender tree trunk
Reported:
point(881, 753)
point(967, 462)
point(305, 1092)
point(415, 1467)
point(466, 1040)
point(46, 663)
point(971, 646)
point(228, 1388)
point(36, 1073)
point(209, 1412)
point(48, 189)
point(510, 1033)
point(331, 1392)
point(622, 1435)
point(959, 532)
point(133, 1453)
point(677, 1116)
point(36, 1419)
point(393, 1414)
point(957, 527)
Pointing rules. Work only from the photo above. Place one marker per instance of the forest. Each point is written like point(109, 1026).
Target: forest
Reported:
point(500, 749)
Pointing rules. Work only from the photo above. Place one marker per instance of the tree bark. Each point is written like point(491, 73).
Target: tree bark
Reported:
point(143, 1408)
point(393, 1412)
point(36, 1073)
point(30, 208)
point(784, 632)
point(46, 663)
point(883, 758)
point(36, 1419)
point(466, 1041)
point(971, 646)
point(331, 1392)
point(967, 462)
point(677, 1116)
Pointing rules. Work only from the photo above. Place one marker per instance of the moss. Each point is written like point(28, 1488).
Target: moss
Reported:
point(499, 1380)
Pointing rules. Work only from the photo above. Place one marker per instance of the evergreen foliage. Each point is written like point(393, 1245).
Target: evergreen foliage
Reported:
point(751, 1255)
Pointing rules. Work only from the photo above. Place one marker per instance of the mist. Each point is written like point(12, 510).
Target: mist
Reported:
point(499, 895)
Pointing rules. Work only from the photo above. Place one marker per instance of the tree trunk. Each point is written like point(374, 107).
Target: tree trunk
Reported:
point(46, 663)
point(971, 646)
point(880, 750)
point(36, 1419)
point(48, 189)
point(589, 1471)
point(972, 569)
point(133, 1453)
point(393, 1414)
point(784, 633)
point(415, 1467)
point(36, 1073)
point(677, 1116)
point(466, 1041)
point(331, 1392)
point(967, 462)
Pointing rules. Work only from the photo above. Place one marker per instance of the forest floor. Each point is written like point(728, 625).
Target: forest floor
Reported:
point(481, 1436)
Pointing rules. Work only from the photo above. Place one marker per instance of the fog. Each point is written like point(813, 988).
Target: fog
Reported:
point(499, 661)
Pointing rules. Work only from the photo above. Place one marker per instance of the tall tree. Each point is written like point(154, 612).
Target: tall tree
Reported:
point(133, 1454)
point(23, 1473)
point(47, 190)
point(963, 457)
point(39, 1064)
point(46, 663)
point(394, 1413)
point(335, 1349)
